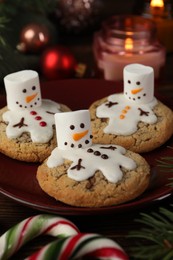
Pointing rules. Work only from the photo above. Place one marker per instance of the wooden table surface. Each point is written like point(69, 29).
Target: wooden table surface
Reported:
point(115, 226)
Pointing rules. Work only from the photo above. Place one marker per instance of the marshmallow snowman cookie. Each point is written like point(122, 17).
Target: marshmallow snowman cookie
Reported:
point(134, 119)
point(83, 174)
point(27, 122)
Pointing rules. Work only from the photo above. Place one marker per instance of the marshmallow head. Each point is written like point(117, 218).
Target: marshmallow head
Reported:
point(73, 129)
point(22, 90)
point(139, 83)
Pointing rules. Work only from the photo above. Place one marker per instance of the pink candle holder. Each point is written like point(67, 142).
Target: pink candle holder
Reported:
point(127, 39)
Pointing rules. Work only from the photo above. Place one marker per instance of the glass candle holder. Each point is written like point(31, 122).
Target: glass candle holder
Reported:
point(160, 11)
point(127, 39)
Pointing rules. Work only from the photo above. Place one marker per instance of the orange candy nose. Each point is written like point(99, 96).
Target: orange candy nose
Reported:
point(136, 90)
point(78, 136)
point(30, 98)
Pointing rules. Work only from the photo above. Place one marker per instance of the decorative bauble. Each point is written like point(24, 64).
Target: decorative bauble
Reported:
point(34, 38)
point(57, 62)
point(77, 15)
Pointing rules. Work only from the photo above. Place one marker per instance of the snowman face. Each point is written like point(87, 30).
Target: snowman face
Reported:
point(138, 83)
point(23, 90)
point(73, 129)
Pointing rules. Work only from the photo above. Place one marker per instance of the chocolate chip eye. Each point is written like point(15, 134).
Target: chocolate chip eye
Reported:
point(129, 81)
point(82, 125)
point(24, 90)
point(72, 127)
point(34, 88)
point(138, 83)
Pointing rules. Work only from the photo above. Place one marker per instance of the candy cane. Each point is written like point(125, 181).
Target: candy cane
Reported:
point(90, 246)
point(32, 227)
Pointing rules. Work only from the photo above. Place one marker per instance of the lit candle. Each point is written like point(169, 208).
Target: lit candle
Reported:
point(128, 44)
point(124, 40)
point(160, 12)
point(157, 3)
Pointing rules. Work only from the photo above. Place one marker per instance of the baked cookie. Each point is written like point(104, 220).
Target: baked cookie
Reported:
point(81, 174)
point(27, 131)
point(134, 119)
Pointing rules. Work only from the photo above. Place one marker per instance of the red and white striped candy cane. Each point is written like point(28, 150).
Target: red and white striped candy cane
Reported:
point(32, 227)
point(88, 246)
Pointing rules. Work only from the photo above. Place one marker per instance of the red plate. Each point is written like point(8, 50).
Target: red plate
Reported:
point(17, 179)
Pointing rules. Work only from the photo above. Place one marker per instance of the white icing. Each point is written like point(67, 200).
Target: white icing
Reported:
point(131, 111)
point(73, 129)
point(134, 105)
point(23, 90)
point(38, 133)
point(139, 83)
point(86, 158)
point(91, 162)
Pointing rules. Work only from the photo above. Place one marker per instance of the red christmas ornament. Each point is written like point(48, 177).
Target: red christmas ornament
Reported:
point(34, 38)
point(57, 63)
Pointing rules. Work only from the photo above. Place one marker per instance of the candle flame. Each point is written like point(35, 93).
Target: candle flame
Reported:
point(128, 44)
point(157, 3)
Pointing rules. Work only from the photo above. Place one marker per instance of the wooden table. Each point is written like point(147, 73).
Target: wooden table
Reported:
point(115, 226)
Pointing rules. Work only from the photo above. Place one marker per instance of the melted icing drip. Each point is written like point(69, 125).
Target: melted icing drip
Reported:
point(125, 113)
point(37, 122)
point(89, 160)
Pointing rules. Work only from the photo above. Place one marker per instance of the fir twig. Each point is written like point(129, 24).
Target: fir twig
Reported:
point(166, 164)
point(11, 8)
point(170, 184)
point(155, 240)
point(3, 23)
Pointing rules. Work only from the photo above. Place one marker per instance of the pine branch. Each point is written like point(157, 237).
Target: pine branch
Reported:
point(11, 61)
point(166, 164)
point(11, 7)
point(155, 240)
point(3, 24)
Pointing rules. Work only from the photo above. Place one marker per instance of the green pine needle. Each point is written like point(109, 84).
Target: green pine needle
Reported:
point(166, 164)
point(3, 21)
point(170, 184)
point(3, 25)
point(11, 7)
point(155, 239)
